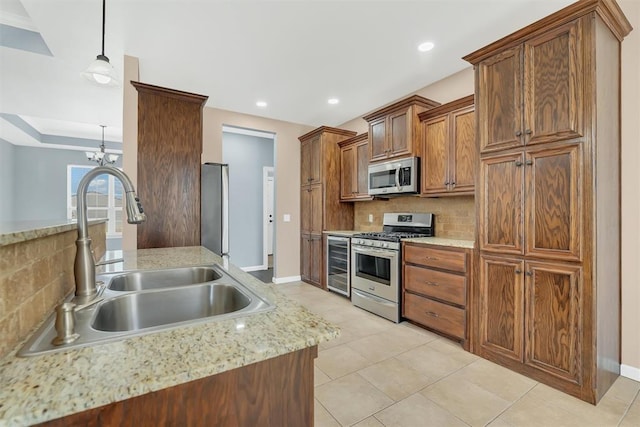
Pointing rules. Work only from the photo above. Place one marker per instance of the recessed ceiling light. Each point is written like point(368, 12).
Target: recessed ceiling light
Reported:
point(333, 101)
point(425, 47)
point(261, 104)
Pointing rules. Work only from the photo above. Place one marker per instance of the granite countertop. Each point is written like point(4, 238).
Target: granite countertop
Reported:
point(20, 231)
point(442, 241)
point(41, 388)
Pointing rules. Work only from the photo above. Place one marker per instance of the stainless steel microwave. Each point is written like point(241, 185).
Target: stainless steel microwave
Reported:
point(394, 177)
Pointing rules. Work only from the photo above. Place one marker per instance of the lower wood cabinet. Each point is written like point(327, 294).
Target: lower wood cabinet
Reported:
point(530, 313)
point(435, 285)
point(311, 258)
point(272, 393)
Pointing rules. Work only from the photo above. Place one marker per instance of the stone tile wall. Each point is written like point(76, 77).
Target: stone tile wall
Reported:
point(455, 216)
point(35, 276)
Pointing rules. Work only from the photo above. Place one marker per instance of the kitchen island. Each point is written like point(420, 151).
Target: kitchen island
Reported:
point(172, 372)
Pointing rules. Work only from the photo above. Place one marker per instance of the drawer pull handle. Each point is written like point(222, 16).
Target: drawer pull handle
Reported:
point(372, 288)
point(431, 258)
point(431, 313)
point(431, 283)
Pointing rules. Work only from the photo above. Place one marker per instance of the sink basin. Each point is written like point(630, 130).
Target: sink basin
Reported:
point(137, 311)
point(156, 279)
point(141, 302)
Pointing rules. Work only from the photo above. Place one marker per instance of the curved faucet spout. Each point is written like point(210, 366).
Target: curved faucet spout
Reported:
point(84, 267)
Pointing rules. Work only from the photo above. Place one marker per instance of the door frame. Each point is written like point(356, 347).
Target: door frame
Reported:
point(267, 172)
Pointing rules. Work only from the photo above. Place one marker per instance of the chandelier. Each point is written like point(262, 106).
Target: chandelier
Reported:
point(101, 157)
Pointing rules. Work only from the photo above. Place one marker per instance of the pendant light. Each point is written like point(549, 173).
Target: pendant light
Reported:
point(100, 71)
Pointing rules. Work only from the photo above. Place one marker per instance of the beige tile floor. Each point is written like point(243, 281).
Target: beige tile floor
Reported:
point(378, 373)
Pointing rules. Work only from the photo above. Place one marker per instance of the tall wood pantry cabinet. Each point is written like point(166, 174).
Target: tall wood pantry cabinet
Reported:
point(320, 207)
point(548, 198)
point(169, 151)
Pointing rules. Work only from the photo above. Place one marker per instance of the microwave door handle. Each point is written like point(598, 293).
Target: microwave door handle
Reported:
point(398, 178)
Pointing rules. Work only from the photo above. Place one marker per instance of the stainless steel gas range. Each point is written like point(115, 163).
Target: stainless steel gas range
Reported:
point(376, 262)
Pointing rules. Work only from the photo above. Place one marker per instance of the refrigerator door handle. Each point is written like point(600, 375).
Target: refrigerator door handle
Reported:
point(225, 210)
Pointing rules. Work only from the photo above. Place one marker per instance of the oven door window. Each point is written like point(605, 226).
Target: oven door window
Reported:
point(382, 179)
point(374, 268)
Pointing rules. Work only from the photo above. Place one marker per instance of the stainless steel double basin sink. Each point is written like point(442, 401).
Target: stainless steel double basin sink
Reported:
point(141, 302)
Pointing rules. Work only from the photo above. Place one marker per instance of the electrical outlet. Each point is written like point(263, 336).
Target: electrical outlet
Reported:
point(370, 218)
point(286, 218)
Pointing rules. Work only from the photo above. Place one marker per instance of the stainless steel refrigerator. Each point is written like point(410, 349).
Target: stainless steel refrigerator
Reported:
point(214, 208)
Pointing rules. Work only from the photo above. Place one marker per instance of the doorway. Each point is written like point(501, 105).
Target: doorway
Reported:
point(268, 207)
point(248, 153)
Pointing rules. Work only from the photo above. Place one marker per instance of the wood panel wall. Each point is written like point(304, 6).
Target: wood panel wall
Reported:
point(169, 156)
point(273, 393)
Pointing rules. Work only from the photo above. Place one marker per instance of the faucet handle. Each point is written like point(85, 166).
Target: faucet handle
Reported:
point(65, 324)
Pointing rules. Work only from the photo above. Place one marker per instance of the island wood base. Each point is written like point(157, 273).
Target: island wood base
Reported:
point(275, 392)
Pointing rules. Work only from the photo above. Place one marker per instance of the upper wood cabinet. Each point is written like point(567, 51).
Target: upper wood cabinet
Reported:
point(548, 206)
point(395, 131)
point(354, 165)
point(533, 93)
point(310, 166)
point(320, 207)
point(449, 152)
point(169, 151)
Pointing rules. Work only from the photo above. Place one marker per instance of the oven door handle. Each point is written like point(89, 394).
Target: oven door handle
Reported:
point(374, 252)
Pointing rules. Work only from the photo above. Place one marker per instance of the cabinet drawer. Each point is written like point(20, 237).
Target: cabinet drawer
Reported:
point(444, 318)
point(447, 260)
point(445, 286)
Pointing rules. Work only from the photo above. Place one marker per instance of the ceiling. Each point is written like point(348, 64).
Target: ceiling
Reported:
point(292, 54)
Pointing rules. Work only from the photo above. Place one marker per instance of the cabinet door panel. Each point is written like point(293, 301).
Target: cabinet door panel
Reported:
point(501, 186)
point(553, 326)
point(553, 87)
point(400, 133)
point(314, 162)
point(362, 167)
point(347, 172)
point(378, 139)
point(501, 306)
point(315, 254)
point(305, 163)
point(554, 194)
point(463, 151)
point(500, 100)
point(316, 207)
point(305, 251)
point(305, 210)
point(435, 156)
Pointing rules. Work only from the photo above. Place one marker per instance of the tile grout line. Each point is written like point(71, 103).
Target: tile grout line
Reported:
point(325, 408)
point(511, 404)
point(626, 412)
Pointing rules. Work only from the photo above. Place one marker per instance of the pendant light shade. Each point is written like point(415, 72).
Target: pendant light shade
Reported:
point(100, 71)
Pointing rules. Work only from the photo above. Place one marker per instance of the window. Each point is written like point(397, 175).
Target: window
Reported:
point(104, 198)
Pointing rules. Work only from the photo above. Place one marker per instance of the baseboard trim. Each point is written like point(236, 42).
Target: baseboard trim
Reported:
point(253, 268)
point(281, 280)
point(630, 372)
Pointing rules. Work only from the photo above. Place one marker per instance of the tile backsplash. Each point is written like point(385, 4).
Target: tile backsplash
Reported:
point(454, 216)
point(35, 276)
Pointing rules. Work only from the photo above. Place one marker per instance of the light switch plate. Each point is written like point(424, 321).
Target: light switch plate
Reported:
point(370, 217)
point(286, 218)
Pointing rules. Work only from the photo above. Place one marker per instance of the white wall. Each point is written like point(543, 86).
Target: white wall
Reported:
point(40, 182)
point(246, 156)
point(6, 180)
